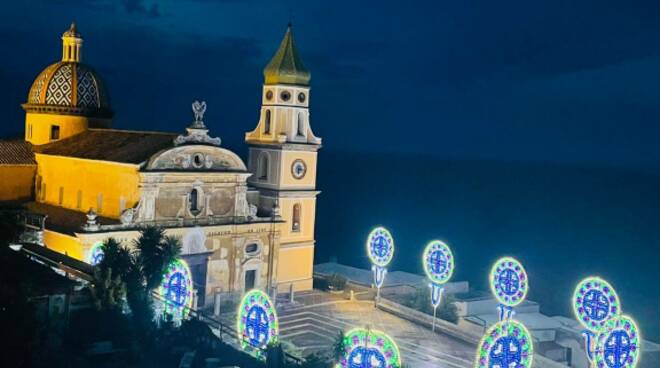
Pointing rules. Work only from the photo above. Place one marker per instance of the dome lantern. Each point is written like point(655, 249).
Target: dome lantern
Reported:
point(71, 44)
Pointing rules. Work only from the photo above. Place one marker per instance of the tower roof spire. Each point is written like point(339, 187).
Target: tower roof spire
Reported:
point(286, 66)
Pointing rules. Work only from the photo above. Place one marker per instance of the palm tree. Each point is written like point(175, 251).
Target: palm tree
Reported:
point(140, 270)
point(154, 252)
point(107, 291)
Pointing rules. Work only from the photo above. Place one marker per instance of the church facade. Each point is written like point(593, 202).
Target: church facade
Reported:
point(241, 226)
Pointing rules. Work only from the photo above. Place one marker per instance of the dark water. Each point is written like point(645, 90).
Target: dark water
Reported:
point(564, 223)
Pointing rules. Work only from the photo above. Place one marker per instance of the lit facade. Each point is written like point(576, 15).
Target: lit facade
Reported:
point(242, 226)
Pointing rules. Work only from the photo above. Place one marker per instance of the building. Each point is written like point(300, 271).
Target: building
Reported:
point(242, 226)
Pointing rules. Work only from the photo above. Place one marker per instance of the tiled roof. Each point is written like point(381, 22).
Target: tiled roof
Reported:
point(16, 152)
point(124, 146)
point(64, 220)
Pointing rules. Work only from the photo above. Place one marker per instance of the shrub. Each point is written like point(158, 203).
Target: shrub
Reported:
point(337, 282)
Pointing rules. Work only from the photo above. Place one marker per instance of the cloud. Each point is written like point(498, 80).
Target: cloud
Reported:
point(139, 7)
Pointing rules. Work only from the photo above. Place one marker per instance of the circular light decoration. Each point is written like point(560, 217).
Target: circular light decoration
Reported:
point(257, 320)
point(176, 289)
point(438, 262)
point(95, 255)
point(380, 246)
point(505, 344)
point(594, 302)
point(369, 349)
point(618, 343)
point(508, 281)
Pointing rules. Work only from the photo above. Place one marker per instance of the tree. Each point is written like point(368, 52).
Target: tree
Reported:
point(107, 291)
point(275, 356)
point(339, 346)
point(140, 270)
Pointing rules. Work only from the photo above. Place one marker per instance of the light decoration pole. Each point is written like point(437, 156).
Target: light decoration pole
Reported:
point(507, 343)
point(439, 266)
point(380, 248)
point(95, 254)
point(610, 339)
point(176, 289)
point(367, 348)
point(256, 322)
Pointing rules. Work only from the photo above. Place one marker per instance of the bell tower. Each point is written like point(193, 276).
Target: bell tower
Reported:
point(282, 160)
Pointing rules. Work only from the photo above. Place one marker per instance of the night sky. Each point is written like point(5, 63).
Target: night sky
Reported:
point(561, 81)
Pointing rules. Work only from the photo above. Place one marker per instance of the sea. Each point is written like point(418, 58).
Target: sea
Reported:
point(563, 222)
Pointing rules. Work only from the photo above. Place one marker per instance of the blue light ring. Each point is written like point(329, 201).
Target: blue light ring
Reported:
point(438, 247)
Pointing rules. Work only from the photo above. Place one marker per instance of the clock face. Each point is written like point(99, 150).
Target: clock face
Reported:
point(285, 95)
point(298, 169)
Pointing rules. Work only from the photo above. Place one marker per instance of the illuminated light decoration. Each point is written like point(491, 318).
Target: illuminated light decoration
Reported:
point(256, 320)
point(505, 344)
point(439, 266)
point(176, 289)
point(595, 302)
point(438, 262)
point(95, 255)
point(364, 348)
point(618, 344)
point(509, 284)
point(380, 246)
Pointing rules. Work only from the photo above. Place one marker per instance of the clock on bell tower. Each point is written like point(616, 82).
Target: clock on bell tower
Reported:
point(282, 159)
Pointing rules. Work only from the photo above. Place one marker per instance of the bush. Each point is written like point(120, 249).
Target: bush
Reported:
point(337, 282)
point(421, 301)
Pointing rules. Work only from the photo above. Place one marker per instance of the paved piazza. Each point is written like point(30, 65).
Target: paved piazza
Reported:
point(312, 323)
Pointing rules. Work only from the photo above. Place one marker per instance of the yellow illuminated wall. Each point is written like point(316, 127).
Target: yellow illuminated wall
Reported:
point(16, 182)
point(38, 126)
point(65, 244)
point(79, 184)
point(295, 267)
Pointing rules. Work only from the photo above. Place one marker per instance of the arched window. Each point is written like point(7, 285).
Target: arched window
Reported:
point(263, 167)
point(267, 123)
point(295, 218)
point(301, 125)
point(194, 196)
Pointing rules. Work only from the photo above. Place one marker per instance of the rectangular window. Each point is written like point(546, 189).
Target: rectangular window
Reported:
point(250, 279)
point(54, 132)
point(79, 200)
point(61, 198)
point(43, 192)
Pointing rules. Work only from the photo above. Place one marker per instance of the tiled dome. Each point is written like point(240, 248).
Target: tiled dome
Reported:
point(69, 84)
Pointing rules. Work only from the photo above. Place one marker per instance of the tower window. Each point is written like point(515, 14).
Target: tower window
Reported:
point(61, 197)
point(301, 125)
point(263, 167)
point(295, 221)
point(267, 123)
point(54, 132)
point(193, 201)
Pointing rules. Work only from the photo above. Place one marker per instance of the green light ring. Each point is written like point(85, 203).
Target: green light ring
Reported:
point(619, 323)
point(502, 329)
point(384, 260)
point(361, 337)
point(179, 311)
point(438, 246)
point(519, 270)
point(95, 253)
point(594, 283)
point(250, 299)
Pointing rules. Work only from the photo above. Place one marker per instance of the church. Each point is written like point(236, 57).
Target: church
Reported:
point(241, 226)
